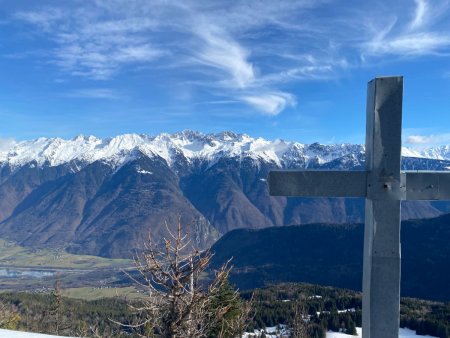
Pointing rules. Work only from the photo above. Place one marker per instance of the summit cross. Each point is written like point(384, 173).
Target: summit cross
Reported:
point(384, 186)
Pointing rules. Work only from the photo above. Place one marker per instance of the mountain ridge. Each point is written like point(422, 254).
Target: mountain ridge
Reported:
point(192, 145)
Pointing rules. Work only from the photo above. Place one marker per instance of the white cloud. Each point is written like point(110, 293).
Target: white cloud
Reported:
point(417, 139)
point(429, 140)
point(43, 19)
point(6, 143)
point(270, 103)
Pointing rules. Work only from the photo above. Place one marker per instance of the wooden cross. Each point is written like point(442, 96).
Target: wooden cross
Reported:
point(383, 186)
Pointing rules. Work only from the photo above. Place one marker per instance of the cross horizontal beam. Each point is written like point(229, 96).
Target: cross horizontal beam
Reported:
point(427, 185)
point(416, 185)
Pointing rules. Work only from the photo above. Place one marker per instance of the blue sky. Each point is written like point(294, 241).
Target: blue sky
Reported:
point(295, 70)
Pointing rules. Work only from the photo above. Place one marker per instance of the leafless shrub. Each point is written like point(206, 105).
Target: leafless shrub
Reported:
point(9, 317)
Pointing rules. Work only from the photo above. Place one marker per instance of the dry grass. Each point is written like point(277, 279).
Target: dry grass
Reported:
point(18, 256)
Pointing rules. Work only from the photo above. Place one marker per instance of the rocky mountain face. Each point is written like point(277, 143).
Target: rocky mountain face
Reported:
point(103, 196)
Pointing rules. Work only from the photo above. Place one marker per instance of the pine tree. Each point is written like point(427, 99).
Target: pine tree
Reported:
point(351, 328)
point(56, 309)
point(56, 306)
point(230, 311)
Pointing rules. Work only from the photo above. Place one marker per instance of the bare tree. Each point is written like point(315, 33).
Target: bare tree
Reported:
point(177, 304)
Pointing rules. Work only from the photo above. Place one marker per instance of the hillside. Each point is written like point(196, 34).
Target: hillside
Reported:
point(332, 255)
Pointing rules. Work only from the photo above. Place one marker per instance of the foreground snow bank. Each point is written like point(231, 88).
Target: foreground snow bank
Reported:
point(404, 333)
point(18, 334)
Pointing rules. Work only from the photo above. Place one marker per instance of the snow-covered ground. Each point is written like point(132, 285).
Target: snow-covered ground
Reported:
point(404, 333)
point(271, 333)
point(18, 334)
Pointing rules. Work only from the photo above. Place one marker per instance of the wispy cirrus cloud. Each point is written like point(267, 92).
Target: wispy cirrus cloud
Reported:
point(89, 46)
point(243, 51)
point(220, 51)
point(103, 60)
point(420, 14)
point(414, 36)
point(423, 43)
point(311, 68)
point(95, 93)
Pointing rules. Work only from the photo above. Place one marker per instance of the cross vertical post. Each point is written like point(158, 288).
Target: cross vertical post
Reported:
point(381, 272)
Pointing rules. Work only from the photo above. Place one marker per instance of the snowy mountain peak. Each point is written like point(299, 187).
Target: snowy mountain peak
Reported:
point(190, 144)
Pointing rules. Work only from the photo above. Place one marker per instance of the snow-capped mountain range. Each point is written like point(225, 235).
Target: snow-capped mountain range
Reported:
point(101, 196)
point(191, 145)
